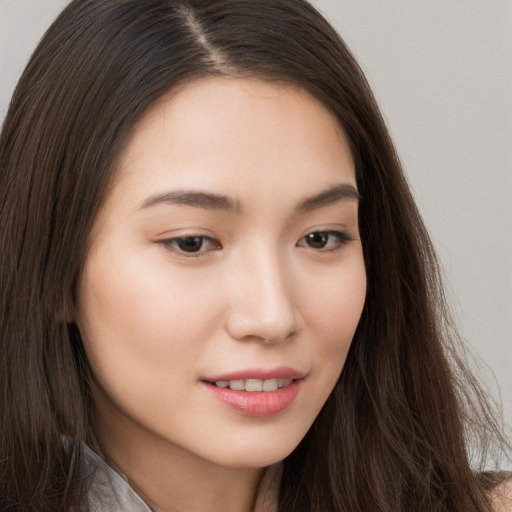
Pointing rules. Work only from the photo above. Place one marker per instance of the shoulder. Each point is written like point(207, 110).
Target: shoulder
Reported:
point(501, 496)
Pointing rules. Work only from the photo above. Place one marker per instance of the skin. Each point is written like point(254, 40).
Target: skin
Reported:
point(258, 293)
point(502, 496)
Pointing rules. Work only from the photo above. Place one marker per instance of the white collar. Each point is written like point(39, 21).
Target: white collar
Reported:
point(111, 492)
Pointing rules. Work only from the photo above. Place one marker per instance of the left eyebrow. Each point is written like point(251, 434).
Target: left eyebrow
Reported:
point(332, 195)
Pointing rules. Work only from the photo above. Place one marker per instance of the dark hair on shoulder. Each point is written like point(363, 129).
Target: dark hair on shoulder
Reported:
point(395, 434)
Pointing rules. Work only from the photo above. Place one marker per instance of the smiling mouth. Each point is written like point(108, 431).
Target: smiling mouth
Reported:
point(253, 385)
point(263, 397)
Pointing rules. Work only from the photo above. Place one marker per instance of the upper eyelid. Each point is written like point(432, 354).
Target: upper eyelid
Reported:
point(341, 232)
point(167, 237)
point(332, 231)
point(343, 236)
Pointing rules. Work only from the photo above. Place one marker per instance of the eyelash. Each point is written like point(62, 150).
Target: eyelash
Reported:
point(173, 244)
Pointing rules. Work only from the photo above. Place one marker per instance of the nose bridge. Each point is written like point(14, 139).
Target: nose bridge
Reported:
point(261, 303)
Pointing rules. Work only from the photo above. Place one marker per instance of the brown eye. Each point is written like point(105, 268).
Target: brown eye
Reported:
point(317, 240)
point(191, 244)
point(324, 240)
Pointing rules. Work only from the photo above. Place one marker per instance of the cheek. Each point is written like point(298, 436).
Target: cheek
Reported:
point(331, 301)
point(135, 312)
point(138, 324)
point(334, 302)
point(332, 309)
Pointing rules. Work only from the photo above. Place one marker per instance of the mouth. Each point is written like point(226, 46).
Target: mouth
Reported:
point(256, 393)
point(253, 385)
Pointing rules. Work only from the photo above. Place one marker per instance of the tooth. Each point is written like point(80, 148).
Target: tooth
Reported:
point(285, 382)
point(271, 385)
point(237, 385)
point(253, 385)
point(222, 383)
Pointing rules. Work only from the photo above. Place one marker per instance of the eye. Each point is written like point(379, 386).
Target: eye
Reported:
point(324, 240)
point(192, 244)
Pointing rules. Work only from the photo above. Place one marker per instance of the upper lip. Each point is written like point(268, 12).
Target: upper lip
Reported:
point(281, 372)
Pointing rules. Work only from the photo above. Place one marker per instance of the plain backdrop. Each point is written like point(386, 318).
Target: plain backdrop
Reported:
point(442, 73)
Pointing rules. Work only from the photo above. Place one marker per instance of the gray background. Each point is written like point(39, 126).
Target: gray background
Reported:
point(442, 73)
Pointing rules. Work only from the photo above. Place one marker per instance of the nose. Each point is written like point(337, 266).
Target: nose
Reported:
point(261, 299)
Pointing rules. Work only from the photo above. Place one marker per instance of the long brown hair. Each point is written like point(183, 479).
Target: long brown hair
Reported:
point(396, 432)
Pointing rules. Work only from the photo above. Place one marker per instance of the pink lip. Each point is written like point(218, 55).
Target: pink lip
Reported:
point(258, 404)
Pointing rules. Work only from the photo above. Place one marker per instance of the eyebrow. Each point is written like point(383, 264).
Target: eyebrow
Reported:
point(332, 195)
point(196, 199)
point(210, 201)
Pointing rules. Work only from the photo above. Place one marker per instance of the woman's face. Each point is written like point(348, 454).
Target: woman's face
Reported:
point(225, 277)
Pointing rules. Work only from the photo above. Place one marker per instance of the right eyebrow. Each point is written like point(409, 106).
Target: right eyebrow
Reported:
point(197, 199)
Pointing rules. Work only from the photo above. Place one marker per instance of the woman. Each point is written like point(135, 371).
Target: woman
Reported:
point(217, 293)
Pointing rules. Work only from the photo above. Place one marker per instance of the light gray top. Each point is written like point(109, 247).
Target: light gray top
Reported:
point(109, 491)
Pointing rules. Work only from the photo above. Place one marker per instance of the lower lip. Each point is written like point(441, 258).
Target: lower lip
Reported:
point(259, 404)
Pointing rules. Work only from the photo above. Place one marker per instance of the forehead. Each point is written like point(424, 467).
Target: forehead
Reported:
point(234, 136)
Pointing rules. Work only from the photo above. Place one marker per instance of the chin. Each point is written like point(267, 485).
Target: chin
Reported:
point(257, 453)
